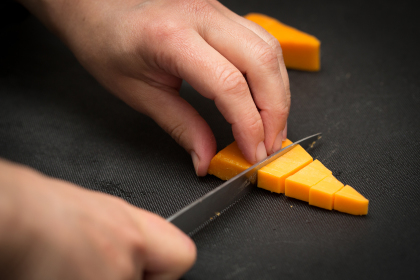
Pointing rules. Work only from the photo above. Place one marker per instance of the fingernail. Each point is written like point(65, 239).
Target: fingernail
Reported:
point(196, 161)
point(261, 152)
point(285, 132)
point(278, 142)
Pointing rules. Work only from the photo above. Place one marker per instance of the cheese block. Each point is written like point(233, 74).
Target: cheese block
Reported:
point(230, 161)
point(272, 176)
point(348, 200)
point(300, 50)
point(323, 193)
point(298, 185)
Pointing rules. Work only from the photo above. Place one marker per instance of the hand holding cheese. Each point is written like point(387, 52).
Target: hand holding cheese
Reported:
point(141, 50)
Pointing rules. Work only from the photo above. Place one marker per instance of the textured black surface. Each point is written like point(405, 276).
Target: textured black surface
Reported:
point(366, 101)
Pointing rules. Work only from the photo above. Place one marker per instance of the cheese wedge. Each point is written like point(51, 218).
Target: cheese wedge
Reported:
point(348, 200)
point(272, 176)
point(299, 184)
point(323, 193)
point(301, 51)
point(229, 162)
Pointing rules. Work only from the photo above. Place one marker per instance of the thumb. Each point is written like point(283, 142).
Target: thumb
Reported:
point(168, 252)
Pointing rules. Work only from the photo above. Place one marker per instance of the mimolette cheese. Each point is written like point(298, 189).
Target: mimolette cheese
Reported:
point(348, 200)
point(323, 193)
point(229, 162)
point(272, 176)
point(301, 51)
point(299, 184)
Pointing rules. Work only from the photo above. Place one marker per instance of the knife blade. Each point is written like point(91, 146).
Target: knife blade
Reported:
point(211, 204)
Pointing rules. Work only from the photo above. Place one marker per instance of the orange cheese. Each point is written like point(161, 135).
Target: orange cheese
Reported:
point(322, 194)
point(295, 174)
point(348, 200)
point(229, 162)
point(286, 143)
point(300, 50)
point(272, 176)
point(299, 184)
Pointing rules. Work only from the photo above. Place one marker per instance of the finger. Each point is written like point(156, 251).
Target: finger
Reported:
point(178, 118)
point(274, 43)
point(168, 252)
point(259, 62)
point(216, 78)
point(261, 32)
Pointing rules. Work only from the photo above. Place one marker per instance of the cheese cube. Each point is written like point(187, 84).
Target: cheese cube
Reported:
point(348, 200)
point(272, 176)
point(230, 161)
point(322, 194)
point(298, 185)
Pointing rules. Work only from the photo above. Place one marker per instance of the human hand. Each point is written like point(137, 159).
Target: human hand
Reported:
point(51, 229)
point(141, 50)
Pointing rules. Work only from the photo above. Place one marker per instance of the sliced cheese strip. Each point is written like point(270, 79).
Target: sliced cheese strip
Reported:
point(298, 185)
point(300, 50)
point(229, 162)
point(272, 176)
point(322, 194)
point(348, 200)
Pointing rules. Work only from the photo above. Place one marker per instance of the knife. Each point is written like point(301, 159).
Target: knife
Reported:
point(211, 204)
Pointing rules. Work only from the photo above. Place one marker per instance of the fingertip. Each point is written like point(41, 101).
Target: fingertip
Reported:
point(186, 253)
point(285, 132)
point(204, 151)
point(169, 252)
point(278, 142)
point(191, 251)
point(196, 162)
point(261, 152)
point(200, 166)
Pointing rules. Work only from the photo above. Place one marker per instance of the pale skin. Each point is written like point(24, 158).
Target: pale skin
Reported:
point(51, 229)
point(141, 51)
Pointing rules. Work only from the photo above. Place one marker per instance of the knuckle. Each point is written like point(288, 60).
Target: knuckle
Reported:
point(199, 8)
point(177, 132)
point(232, 81)
point(282, 111)
point(249, 127)
point(138, 243)
point(275, 44)
point(255, 125)
point(164, 30)
point(267, 56)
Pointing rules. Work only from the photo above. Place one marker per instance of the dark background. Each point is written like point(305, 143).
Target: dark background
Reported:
point(365, 100)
